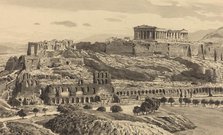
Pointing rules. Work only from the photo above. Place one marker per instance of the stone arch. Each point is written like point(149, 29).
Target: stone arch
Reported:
point(67, 100)
point(157, 91)
point(77, 100)
point(164, 92)
point(72, 100)
point(131, 92)
point(146, 91)
point(91, 99)
point(150, 91)
point(139, 93)
point(127, 93)
point(87, 99)
point(135, 92)
point(153, 91)
point(82, 99)
point(62, 101)
point(117, 93)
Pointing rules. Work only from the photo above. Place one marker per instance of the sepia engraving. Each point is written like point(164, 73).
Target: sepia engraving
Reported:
point(125, 67)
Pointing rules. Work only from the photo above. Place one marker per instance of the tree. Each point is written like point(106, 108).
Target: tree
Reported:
point(215, 55)
point(195, 102)
point(163, 100)
point(35, 110)
point(68, 108)
point(101, 109)
point(217, 103)
point(222, 102)
point(137, 110)
point(97, 99)
point(21, 113)
point(116, 108)
point(15, 103)
point(187, 101)
point(181, 101)
point(171, 101)
point(88, 107)
point(211, 102)
point(44, 110)
point(116, 99)
point(204, 102)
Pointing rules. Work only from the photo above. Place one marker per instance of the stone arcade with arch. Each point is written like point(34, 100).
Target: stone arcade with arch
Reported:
point(80, 92)
point(170, 92)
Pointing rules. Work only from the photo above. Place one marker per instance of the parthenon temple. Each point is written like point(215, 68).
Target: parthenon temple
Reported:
point(145, 32)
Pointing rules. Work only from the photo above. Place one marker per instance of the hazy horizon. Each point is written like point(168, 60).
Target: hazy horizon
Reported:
point(30, 20)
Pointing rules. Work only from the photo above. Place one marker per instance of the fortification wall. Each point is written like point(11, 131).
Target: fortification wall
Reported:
point(96, 47)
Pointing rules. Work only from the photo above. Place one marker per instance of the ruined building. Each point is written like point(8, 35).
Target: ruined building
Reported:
point(152, 33)
point(100, 89)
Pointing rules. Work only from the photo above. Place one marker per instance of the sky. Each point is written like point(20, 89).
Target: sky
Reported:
point(35, 20)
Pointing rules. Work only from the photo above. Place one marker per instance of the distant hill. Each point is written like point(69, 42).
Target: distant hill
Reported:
point(198, 35)
point(9, 48)
point(215, 36)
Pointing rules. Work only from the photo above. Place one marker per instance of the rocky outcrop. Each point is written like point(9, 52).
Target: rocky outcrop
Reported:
point(84, 123)
point(117, 73)
point(14, 63)
point(171, 123)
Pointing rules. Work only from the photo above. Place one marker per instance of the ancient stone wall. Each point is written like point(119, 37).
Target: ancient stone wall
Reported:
point(96, 47)
point(120, 47)
point(32, 63)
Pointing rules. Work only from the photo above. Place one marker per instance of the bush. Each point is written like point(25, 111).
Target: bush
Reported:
point(217, 103)
point(211, 102)
point(195, 101)
point(35, 110)
point(101, 109)
point(204, 102)
point(181, 100)
point(163, 100)
point(68, 108)
point(21, 113)
point(187, 101)
point(88, 106)
point(150, 105)
point(171, 101)
point(115, 99)
point(137, 110)
point(116, 108)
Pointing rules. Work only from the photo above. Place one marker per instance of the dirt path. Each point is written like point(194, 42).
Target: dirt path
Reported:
point(27, 117)
point(209, 121)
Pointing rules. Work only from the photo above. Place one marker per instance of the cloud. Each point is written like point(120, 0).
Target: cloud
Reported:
point(113, 19)
point(163, 8)
point(36, 23)
point(86, 24)
point(65, 23)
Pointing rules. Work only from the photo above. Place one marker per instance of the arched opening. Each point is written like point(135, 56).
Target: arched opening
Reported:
point(77, 100)
point(127, 93)
point(82, 99)
point(87, 100)
point(91, 99)
point(72, 100)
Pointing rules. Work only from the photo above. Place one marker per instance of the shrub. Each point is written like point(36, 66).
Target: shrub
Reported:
point(150, 105)
point(187, 101)
point(163, 100)
point(195, 101)
point(101, 109)
point(211, 102)
point(44, 110)
point(35, 110)
point(116, 108)
point(68, 108)
point(217, 103)
point(137, 110)
point(116, 99)
point(21, 113)
point(181, 100)
point(204, 102)
point(171, 101)
point(88, 106)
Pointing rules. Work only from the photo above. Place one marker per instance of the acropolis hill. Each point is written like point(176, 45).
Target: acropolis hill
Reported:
point(156, 62)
